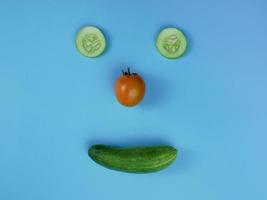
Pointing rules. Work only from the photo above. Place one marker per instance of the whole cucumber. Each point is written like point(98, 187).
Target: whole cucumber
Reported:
point(135, 159)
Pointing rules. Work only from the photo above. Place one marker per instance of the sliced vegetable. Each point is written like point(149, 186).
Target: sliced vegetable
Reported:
point(171, 43)
point(90, 42)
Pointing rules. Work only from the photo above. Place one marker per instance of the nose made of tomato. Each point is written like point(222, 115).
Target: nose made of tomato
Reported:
point(129, 88)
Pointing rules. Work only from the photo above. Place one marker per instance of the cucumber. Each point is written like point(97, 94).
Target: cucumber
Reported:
point(171, 43)
point(90, 42)
point(135, 159)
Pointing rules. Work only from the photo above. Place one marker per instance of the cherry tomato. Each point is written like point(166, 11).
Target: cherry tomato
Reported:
point(129, 89)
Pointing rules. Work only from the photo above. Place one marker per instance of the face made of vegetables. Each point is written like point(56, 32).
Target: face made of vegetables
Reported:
point(130, 87)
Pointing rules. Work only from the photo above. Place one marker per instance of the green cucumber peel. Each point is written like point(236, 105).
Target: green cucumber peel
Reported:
point(145, 159)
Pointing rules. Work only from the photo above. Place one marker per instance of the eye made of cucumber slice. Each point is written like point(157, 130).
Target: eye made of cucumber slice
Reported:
point(171, 43)
point(90, 42)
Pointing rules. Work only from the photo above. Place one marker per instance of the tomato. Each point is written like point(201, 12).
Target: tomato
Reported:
point(129, 89)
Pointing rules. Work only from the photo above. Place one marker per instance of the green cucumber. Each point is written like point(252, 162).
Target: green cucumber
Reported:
point(90, 42)
point(171, 43)
point(135, 159)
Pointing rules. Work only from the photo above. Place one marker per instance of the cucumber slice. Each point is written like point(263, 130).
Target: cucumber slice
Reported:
point(171, 43)
point(90, 42)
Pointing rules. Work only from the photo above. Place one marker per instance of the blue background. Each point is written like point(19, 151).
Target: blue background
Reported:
point(210, 104)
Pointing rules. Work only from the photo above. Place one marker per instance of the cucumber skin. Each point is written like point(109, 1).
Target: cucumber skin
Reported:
point(133, 160)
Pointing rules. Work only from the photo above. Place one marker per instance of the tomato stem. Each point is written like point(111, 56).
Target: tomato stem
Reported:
point(128, 72)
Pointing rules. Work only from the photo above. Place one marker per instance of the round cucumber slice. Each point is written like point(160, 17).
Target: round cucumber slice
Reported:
point(90, 42)
point(171, 43)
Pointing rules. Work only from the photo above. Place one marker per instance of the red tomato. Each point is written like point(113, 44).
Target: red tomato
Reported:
point(129, 89)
